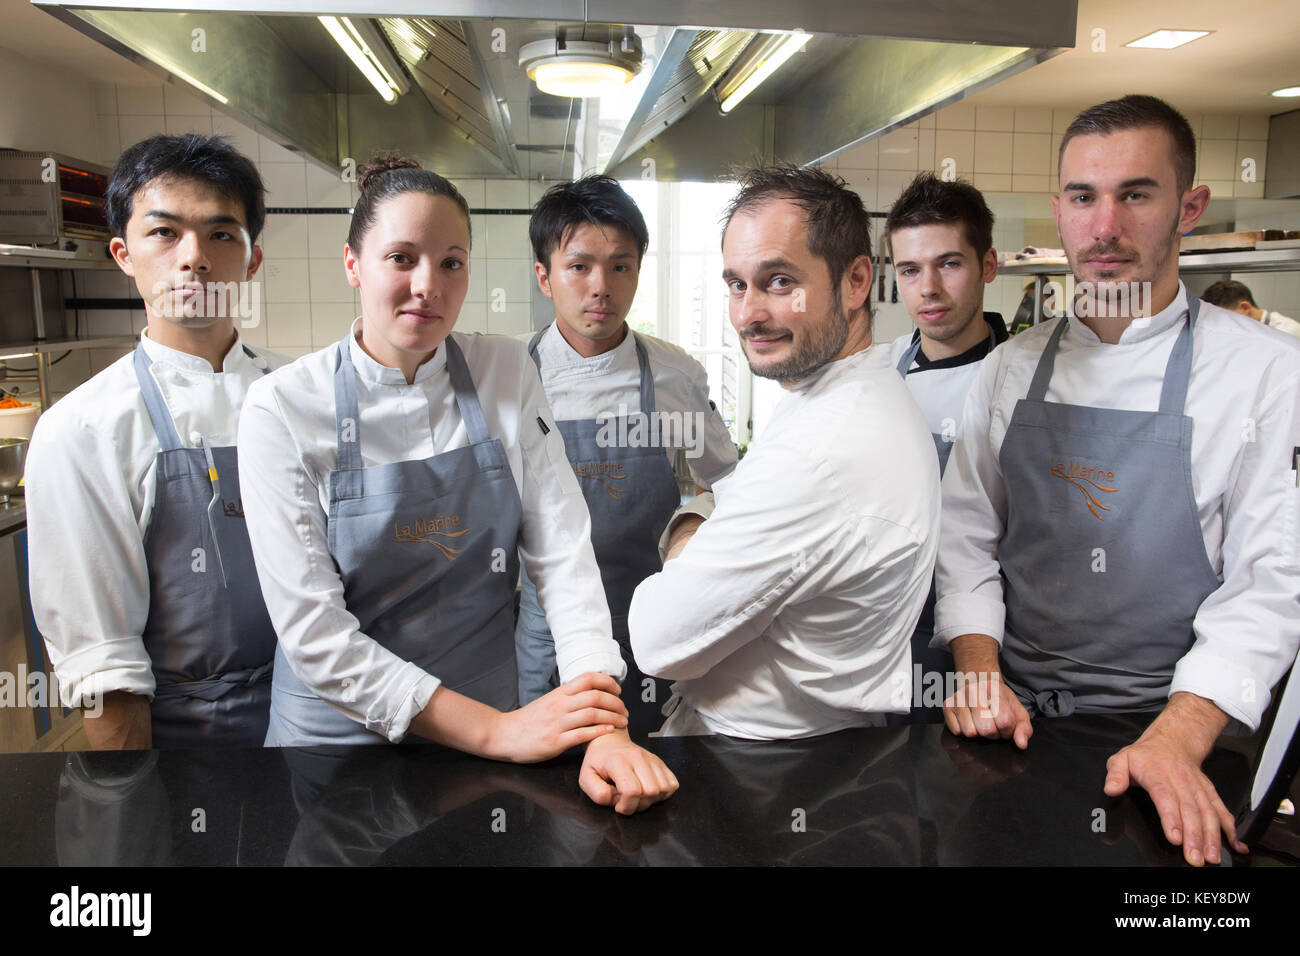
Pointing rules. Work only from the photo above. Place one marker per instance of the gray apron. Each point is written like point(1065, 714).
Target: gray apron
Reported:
point(209, 638)
point(417, 544)
point(631, 493)
point(932, 660)
point(1093, 488)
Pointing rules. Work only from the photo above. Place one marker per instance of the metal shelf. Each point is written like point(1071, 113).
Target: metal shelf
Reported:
point(1272, 260)
point(49, 346)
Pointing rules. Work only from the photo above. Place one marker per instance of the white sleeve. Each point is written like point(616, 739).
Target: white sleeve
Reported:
point(968, 578)
point(301, 584)
point(1248, 630)
point(555, 542)
point(89, 580)
point(765, 539)
point(711, 454)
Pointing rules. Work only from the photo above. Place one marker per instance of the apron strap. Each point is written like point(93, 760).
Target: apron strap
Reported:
point(1043, 373)
point(1173, 393)
point(532, 347)
point(909, 356)
point(259, 363)
point(347, 419)
point(471, 411)
point(163, 425)
point(647, 378)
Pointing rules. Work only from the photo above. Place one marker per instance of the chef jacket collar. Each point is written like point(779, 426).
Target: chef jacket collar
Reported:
point(1137, 331)
point(872, 355)
point(579, 364)
point(371, 372)
point(236, 359)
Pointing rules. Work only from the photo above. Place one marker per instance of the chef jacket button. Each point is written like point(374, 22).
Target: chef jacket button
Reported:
point(196, 439)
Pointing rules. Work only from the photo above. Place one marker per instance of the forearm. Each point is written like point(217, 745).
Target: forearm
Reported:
point(1191, 723)
point(124, 723)
point(464, 724)
point(682, 532)
point(975, 653)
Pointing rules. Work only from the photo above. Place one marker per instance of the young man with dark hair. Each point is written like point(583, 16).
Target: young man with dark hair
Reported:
point(788, 597)
point(941, 239)
point(1237, 297)
point(624, 402)
point(142, 577)
point(1119, 516)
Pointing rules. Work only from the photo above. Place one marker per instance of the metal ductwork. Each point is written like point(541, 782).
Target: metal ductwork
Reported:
point(469, 110)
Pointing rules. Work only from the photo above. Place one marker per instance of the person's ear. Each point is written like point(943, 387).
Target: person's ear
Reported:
point(543, 279)
point(350, 266)
point(254, 262)
point(117, 249)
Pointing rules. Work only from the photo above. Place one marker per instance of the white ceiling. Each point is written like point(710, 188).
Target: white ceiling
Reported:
point(1252, 51)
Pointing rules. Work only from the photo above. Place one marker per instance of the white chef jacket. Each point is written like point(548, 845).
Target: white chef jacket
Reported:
point(90, 482)
point(790, 612)
point(1276, 320)
point(288, 447)
point(596, 387)
point(1244, 398)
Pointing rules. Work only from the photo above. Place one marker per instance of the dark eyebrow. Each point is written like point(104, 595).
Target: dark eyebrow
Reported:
point(1126, 184)
point(954, 254)
point(220, 219)
point(767, 265)
point(588, 257)
point(410, 245)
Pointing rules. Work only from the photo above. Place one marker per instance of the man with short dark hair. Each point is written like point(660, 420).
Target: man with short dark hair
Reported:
point(1119, 516)
point(625, 403)
point(1237, 297)
point(788, 597)
point(941, 239)
point(142, 577)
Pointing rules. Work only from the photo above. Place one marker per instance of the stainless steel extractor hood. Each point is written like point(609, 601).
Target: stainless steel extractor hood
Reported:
point(468, 109)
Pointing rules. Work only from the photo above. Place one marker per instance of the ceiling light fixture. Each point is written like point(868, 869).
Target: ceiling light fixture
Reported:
point(365, 48)
point(760, 60)
point(1287, 91)
point(581, 68)
point(1167, 39)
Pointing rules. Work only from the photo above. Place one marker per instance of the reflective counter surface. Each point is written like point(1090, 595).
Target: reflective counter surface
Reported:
point(905, 796)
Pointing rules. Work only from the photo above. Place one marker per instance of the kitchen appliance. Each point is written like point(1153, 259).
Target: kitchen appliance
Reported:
point(13, 455)
point(48, 198)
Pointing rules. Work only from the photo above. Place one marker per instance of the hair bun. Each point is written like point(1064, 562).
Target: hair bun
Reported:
point(379, 164)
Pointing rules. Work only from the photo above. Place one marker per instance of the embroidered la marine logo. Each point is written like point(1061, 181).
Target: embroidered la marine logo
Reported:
point(439, 532)
point(1087, 478)
point(603, 473)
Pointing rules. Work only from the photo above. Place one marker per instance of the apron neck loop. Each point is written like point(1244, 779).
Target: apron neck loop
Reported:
point(643, 362)
point(346, 416)
point(905, 363)
point(471, 412)
point(1043, 373)
point(1178, 369)
point(1173, 393)
point(163, 426)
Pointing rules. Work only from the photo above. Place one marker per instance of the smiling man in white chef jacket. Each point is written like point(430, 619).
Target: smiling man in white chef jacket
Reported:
point(786, 605)
point(624, 402)
point(1120, 513)
point(142, 577)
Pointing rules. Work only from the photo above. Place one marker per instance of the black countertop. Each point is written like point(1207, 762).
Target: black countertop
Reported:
point(907, 796)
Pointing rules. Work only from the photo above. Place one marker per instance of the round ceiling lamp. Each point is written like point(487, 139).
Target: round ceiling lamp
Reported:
point(581, 68)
